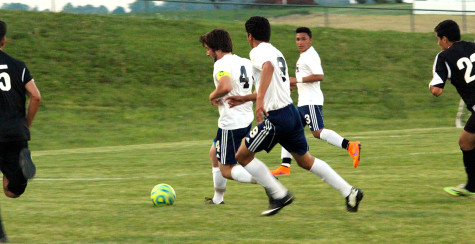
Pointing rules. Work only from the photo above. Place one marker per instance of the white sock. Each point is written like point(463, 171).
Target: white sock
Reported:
point(331, 137)
point(285, 154)
point(219, 185)
point(240, 174)
point(331, 177)
point(261, 173)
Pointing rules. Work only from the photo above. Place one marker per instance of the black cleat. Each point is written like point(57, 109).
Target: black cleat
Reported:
point(209, 201)
point(354, 199)
point(26, 164)
point(275, 205)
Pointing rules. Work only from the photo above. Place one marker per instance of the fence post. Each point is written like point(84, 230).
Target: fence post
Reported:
point(413, 24)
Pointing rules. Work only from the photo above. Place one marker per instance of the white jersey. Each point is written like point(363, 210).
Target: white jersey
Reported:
point(309, 64)
point(239, 69)
point(278, 93)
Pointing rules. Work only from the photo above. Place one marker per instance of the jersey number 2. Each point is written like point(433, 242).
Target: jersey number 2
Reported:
point(461, 63)
point(5, 84)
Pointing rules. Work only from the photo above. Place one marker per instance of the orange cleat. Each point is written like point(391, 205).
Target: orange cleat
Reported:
point(282, 170)
point(354, 149)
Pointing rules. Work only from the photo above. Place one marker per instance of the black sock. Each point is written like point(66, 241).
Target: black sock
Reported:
point(469, 163)
point(345, 144)
point(286, 161)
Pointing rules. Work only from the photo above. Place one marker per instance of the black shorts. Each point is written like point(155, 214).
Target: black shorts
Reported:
point(10, 165)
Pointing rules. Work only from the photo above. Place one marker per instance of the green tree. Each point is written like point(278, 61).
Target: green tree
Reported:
point(119, 10)
point(15, 6)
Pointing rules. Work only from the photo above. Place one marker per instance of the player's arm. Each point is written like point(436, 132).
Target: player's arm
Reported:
point(306, 79)
point(266, 76)
point(440, 74)
point(234, 101)
point(34, 103)
point(224, 87)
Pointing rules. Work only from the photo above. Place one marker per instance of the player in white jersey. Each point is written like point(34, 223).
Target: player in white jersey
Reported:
point(279, 122)
point(309, 74)
point(231, 78)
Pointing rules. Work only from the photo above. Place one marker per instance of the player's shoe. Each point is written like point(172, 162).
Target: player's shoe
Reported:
point(26, 164)
point(354, 199)
point(275, 205)
point(282, 170)
point(459, 191)
point(209, 201)
point(354, 149)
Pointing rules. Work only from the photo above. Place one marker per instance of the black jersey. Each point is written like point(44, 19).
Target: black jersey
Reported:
point(457, 64)
point(14, 75)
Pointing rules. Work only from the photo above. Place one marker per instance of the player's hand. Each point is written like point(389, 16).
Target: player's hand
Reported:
point(293, 83)
point(260, 111)
point(234, 101)
point(216, 102)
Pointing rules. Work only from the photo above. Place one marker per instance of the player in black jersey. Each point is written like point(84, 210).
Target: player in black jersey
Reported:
point(16, 83)
point(456, 62)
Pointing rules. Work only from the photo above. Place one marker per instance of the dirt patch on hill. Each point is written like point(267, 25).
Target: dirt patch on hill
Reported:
point(405, 23)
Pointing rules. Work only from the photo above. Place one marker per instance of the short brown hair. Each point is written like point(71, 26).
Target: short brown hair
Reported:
point(218, 39)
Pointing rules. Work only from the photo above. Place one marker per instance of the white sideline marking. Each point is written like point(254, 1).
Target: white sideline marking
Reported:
point(167, 145)
point(107, 179)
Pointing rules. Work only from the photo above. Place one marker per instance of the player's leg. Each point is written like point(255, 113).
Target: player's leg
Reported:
point(284, 168)
point(14, 182)
point(261, 138)
point(313, 117)
point(352, 195)
point(230, 141)
point(219, 181)
point(467, 145)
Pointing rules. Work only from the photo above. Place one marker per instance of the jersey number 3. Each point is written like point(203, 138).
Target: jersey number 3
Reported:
point(465, 62)
point(5, 84)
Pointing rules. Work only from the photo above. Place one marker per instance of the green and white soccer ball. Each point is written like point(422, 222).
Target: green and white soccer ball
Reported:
point(162, 195)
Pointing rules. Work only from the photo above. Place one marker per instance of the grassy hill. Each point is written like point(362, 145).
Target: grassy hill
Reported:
point(114, 80)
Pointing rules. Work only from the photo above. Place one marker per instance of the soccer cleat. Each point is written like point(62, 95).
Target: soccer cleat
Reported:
point(459, 191)
point(26, 164)
point(275, 205)
point(282, 170)
point(354, 199)
point(354, 149)
point(209, 201)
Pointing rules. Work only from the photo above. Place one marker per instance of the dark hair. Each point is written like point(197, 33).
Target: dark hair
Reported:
point(259, 28)
point(3, 29)
point(218, 39)
point(304, 30)
point(449, 29)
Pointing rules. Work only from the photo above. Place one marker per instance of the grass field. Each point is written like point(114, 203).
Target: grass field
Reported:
point(101, 195)
point(125, 108)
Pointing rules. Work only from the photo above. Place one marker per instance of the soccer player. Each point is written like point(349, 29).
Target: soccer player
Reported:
point(279, 122)
point(231, 76)
point(455, 62)
point(15, 160)
point(309, 74)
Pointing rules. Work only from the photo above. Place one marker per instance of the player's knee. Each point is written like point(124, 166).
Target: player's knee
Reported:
point(466, 145)
point(316, 133)
point(11, 194)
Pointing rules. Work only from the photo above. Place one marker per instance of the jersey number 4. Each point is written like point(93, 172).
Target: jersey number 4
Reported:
point(244, 78)
point(5, 84)
point(468, 63)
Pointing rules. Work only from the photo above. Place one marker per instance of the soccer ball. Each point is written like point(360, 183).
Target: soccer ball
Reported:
point(163, 194)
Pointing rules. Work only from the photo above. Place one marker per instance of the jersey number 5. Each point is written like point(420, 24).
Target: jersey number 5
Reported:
point(465, 62)
point(244, 78)
point(5, 84)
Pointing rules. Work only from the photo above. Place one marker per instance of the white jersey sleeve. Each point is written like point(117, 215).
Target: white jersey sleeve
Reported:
point(278, 93)
point(240, 71)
